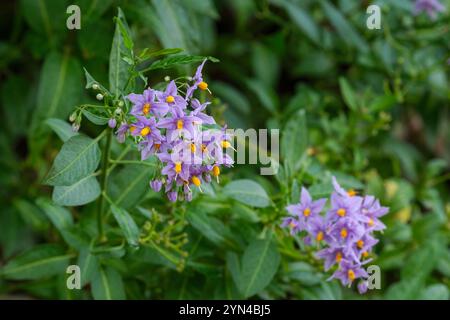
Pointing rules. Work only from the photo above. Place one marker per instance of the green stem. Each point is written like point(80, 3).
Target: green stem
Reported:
point(103, 181)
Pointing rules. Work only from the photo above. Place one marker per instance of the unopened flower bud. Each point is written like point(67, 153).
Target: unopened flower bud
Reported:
point(118, 111)
point(72, 117)
point(99, 96)
point(75, 126)
point(120, 104)
point(167, 78)
point(95, 86)
point(112, 123)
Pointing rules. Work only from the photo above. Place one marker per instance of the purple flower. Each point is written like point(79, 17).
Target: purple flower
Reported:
point(306, 209)
point(331, 256)
point(348, 272)
point(146, 128)
point(198, 81)
point(198, 112)
point(431, 7)
point(178, 124)
point(318, 228)
point(343, 207)
point(344, 235)
point(144, 104)
point(164, 124)
point(371, 212)
point(171, 98)
point(121, 132)
point(292, 223)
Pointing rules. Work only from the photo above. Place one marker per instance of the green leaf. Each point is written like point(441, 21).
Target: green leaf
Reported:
point(107, 284)
point(436, 291)
point(248, 192)
point(265, 94)
point(61, 128)
point(303, 20)
point(129, 228)
point(88, 264)
point(212, 228)
point(94, 118)
point(60, 217)
point(348, 94)
point(128, 186)
point(84, 191)
point(345, 30)
point(294, 140)
point(147, 54)
point(78, 158)
point(45, 17)
point(234, 267)
point(38, 262)
point(118, 68)
point(59, 89)
point(259, 264)
point(233, 97)
point(171, 62)
point(90, 81)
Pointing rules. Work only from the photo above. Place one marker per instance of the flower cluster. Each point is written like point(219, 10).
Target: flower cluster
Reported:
point(344, 234)
point(431, 7)
point(176, 128)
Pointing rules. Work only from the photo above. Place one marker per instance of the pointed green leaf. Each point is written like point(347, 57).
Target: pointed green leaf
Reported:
point(61, 128)
point(84, 191)
point(118, 68)
point(38, 262)
point(107, 284)
point(259, 264)
point(77, 159)
point(129, 228)
point(294, 140)
point(59, 89)
point(248, 192)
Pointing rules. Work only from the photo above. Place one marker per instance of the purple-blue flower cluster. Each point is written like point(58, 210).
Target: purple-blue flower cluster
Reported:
point(431, 7)
point(344, 234)
point(175, 128)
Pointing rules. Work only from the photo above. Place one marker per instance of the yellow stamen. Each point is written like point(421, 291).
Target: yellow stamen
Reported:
point(365, 254)
point(179, 124)
point(170, 99)
point(338, 257)
point(341, 212)
point(177, 167)
point(344, 233)
point(371, 222)
point(225, 144)
point(204, 149)
point(157, 146)
point(352, 192)
point(319, 236)
point(360, 244)
point(145, 131)
point(216, 171)
point(193, 147)
point(307, 212)
point(203, 85)
point(351, 275)
point(132, 128)
point(146, 108)
point(292, 225)
point(196, 181)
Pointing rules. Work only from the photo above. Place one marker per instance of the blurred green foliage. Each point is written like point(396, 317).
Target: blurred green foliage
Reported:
point(368, 106)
